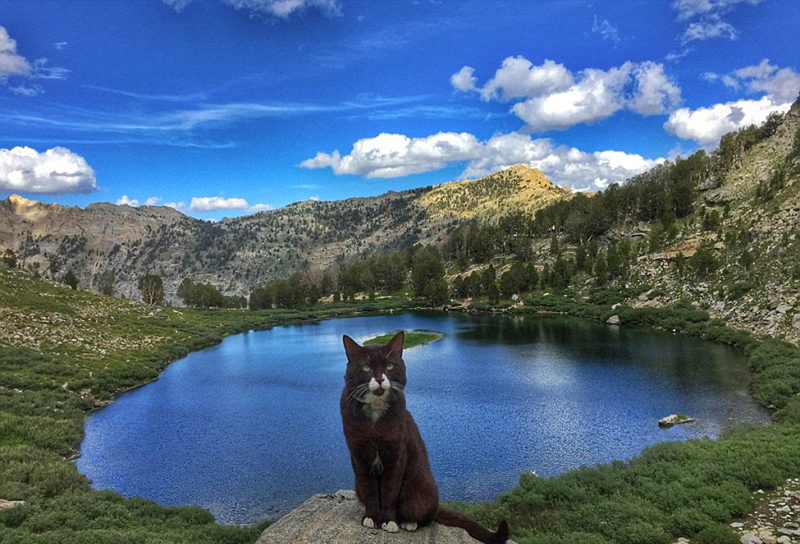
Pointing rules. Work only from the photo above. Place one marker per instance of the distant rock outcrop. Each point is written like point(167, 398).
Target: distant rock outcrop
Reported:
point(336, 519)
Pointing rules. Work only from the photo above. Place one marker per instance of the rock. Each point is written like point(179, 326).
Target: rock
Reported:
point(613, 320)
point(674, 419)
point(719, 196)
point(784, 510)
point(782, 308)
point(750, 538)
point(4, 504)
point(336, 519)
point(796, 321)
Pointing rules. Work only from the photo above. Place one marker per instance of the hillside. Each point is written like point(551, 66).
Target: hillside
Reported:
point(237, 255)
point(518, 188)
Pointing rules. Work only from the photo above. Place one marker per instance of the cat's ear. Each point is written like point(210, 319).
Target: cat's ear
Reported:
point(351, 348)
point(395, 345)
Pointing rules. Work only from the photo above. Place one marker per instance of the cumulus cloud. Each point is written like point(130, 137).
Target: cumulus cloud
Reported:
point(216, 203)
point(707, 125)
point(782, 85)
point(551, 97)
point(282, 9)
point(11, 63)
point(394, 155)
point(14, 65)
point(124, 200)
point(463, 80)
point(55, 171)
point(518, 77)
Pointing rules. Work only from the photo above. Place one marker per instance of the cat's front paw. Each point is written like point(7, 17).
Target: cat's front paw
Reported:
point(368, 522)
point(390, 527)
point(409, 526)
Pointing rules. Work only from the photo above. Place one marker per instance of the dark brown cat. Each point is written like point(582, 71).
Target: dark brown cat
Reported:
point(394, 481)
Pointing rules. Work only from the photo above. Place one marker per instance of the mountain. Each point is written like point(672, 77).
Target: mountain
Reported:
point(237, 255)
point(518, 188)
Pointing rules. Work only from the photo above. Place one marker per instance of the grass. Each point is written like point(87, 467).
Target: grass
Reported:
point(412, 338)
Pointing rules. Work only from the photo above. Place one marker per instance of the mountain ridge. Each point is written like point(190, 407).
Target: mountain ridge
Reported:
point(239, 254)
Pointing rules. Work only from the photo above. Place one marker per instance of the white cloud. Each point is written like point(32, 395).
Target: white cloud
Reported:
point(518, 77)
point(707, 125)
point(606, 30)
point(181, 206)
point(215, 203)
point(395, 155)
point(782, 84)
point(463, 80)
point(14, 65)
point(708, 28)
point(124, 200)
point(691, 8)
point(553, 98)
point(655, 92)
point(55, 171)
point(282, 9)
point(11, 63)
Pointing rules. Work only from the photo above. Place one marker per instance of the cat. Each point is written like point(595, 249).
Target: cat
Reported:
point(393, 477)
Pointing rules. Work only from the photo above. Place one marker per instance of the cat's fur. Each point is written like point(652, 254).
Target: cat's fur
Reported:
point(394, 481)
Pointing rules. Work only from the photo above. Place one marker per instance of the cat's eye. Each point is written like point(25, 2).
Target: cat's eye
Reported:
point(389, 366)
point(366, 368)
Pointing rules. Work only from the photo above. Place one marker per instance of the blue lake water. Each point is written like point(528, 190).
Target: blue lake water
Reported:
point(250, 428)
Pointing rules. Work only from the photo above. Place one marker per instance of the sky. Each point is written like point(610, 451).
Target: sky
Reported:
point(221, 108)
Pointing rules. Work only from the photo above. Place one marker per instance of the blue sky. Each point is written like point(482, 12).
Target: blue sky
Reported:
point(227, 107)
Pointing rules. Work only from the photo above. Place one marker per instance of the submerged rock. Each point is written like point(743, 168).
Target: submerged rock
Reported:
point(336, 519)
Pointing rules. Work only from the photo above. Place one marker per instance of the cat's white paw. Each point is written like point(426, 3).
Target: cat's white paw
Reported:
point(390, 527)
point(409, 525)
point(367, 522)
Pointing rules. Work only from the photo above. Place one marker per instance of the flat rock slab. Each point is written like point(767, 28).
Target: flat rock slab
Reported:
point(336, 519)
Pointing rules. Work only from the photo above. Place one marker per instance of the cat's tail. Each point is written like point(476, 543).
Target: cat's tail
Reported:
point(475, 530)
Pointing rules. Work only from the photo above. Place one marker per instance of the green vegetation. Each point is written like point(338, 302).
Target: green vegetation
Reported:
point(411, 338)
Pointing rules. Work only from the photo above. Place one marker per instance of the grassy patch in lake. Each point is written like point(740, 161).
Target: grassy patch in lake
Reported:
point(411, 338)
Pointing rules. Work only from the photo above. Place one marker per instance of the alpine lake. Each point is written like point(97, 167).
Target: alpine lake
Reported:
point(250, 428)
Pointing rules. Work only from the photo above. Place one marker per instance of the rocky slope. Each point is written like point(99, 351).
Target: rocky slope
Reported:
point(239, 254)
point(756, 245)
